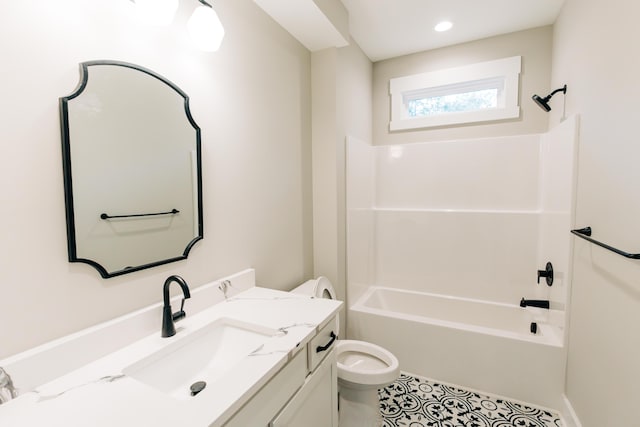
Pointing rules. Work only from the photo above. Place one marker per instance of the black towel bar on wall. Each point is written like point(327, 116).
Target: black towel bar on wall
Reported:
point(584, 233)
point(107, 216)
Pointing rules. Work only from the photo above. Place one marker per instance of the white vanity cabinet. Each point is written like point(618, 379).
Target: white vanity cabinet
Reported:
point(89, 379)
point(304, 393)
point(315, 404)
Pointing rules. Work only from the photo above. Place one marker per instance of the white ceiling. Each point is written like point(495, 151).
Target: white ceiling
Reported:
point(389, 28)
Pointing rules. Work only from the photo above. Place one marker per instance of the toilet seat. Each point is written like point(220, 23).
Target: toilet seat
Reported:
point(377, 366)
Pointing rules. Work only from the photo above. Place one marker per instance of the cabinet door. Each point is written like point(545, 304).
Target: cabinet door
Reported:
point(315, 404)
point(265, 404)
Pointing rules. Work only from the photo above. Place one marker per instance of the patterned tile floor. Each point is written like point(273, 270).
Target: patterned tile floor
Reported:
point(418, 402)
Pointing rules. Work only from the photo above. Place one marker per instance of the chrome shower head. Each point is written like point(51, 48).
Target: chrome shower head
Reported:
point(544, 102)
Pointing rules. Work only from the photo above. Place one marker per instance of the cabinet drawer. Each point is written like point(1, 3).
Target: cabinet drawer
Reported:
point(322, 344)
point(267, 402)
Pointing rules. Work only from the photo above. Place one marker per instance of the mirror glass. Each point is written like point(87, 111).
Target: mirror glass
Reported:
point(132, 169)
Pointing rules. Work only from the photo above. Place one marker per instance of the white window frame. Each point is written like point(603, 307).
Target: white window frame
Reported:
point(504, 74)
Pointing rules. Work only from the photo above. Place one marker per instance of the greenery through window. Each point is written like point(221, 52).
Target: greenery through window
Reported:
point(453, 103)
point(474, 93)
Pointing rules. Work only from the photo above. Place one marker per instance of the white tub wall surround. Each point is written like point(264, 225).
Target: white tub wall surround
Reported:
point(472, 210)
point(458, 217)
point(558, 178)
point(360, 188)
point(471, 220)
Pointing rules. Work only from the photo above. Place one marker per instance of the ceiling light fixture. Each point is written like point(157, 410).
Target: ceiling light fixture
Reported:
point(205, 29)
point(443, 26)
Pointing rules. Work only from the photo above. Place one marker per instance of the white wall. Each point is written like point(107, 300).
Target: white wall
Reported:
point(595, 53)
point(252, 102)
point(342, 103)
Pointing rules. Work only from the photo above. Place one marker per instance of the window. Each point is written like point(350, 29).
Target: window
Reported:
point(457, 98)
point(474, 93)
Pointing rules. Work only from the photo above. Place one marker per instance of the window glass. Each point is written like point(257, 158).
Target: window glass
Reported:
point(453, 103)
point(480, 92)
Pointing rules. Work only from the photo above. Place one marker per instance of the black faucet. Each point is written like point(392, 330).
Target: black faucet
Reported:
point(540, 303)
point(168, 327)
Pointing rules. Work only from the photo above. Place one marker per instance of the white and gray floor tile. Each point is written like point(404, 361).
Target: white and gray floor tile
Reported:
point(413, 401)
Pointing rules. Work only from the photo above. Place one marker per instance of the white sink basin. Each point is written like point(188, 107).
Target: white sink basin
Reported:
point(204, 355)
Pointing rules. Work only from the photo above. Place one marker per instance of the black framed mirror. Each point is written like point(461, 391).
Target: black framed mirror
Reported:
point(132, 169)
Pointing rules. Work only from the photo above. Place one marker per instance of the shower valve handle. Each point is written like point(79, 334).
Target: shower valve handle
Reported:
point(547, 273)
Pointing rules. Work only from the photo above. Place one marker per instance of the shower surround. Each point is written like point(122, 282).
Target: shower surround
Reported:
point(465, 220)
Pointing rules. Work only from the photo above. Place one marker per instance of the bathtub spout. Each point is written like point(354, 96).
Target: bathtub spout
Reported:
point(540, 303)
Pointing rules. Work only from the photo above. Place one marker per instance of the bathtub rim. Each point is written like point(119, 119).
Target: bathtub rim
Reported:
point(550, 335)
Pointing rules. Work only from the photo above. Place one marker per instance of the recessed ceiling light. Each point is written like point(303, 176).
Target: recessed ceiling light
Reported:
point(443, 26)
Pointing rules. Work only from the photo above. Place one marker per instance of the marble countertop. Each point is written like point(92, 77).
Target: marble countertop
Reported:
point(99, 395)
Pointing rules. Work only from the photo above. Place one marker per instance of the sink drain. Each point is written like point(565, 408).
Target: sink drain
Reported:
point(197, 387)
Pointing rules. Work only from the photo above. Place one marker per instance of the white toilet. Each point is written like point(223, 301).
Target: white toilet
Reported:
point(363, 368)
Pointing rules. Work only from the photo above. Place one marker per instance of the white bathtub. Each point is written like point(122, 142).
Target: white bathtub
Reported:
point(483, 345)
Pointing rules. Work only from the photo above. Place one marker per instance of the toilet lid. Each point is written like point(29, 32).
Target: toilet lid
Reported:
point(324, 289)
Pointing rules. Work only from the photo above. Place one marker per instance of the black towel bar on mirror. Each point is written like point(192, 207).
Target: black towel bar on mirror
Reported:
point(107, 216)
point(584, 233)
